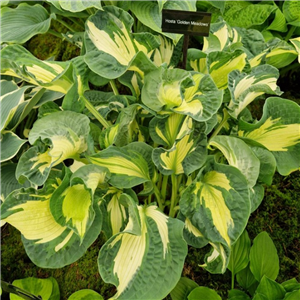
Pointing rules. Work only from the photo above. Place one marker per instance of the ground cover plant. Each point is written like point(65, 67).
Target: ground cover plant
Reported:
point(119, 140)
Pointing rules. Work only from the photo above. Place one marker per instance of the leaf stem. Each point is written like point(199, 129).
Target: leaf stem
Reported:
point(232, 280)
point(55, 33)
point(164, 187)
point(290, 33)
point(220, 126)
point(158, 198)
point(114, 87)
point(65, 24)
point(174, 195)
point(95, 112)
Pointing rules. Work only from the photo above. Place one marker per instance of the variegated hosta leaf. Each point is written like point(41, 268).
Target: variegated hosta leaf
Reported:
point(296, 43)
point(217, 204)
point(187, 155)
point(197, 60)
point(163, 54)
point(65, 136)
point(47, 243)
point(145, 264)
point(79, 5)
point(19, 62)
point(72, 203)
point(10, 145)
point(278, 131)
point(162, 91)
point(110, 45)
point(129, 166)
point(202, 100)
point(23, 22)
point(238, 155)
point(9, 104)
point(244, 88)
point(221, 63)
point(167, 130)
point(149, 13)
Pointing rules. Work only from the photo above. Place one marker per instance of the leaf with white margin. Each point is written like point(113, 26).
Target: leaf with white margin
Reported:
point(296, 43)
point(163, 54)
point(72, 202)
point(244, 88)
point(129, 166)
point(10, 145)
point(167, 130)
point(186, 155)
point(19, 62)
point(149, 13)
point(145, 263)
point(65, 132)
point(47, 288)
point(278, 131)
point(162, 91)
point(23, 22)
point(217, 203)
point(79, 5)
point(47, 243)
point(239, 155)
point(110, 45)
point(197, 60)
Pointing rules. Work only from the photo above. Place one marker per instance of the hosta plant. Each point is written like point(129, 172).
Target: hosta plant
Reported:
point(120, 140)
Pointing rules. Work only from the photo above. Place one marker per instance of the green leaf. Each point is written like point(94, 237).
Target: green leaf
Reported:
point(279, 22)
point(290, 10)
point(238, 155)
point(263, 257)
point(237, 295)
point(269, 289)
point(183, 289)
point(48, 288)
point(246, 280)
point(291, 285)
point(19, 62)
point(254, 14)
point(239, 256)
point(129, 166)
point(202, 292)
point(292, 295)
point(23, 22)
point(217, 204)
point(85, 294)
point(66, 134)
point(10, 145)
point(110, 45)
point(278, 131)
point(149, 13)
point(146, 262)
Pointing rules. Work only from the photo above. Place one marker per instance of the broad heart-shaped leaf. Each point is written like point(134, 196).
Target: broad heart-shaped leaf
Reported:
point(149, 13)
point(247, 281)
point(279, 22)
point(237, 295)
point(145, 264)
point(72, 202)
point(296, 43)
point(186, 155)
point(183, 288)
point(278, 131)
point(263, 257)
point(10, 145)
point(85, 294)
point(239, 256)
point(294, 295)
point(23, 22)
point(19, 62)
point(129, 166)
point(47, 288)
point(78, 6)
point(239, 155)
point(244, 88)
point(269, 289)
point(217, 204)
point(47, 243)
point(110, 46)
point(203, 292)
point(65, 136)
point(290, 10)
point(291, 285)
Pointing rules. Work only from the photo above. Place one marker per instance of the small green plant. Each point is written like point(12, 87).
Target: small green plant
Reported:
point(122, 141)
